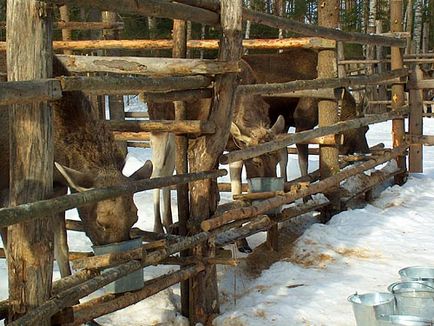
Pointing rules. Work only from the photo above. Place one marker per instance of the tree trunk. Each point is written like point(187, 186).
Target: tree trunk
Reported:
point(115, 102)
point(371, 91)
point(328, 16)
point(66, 33)
point(409, 24)
point(30, 245)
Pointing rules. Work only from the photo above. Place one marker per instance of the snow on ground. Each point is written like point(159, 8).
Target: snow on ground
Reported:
point(358, 250)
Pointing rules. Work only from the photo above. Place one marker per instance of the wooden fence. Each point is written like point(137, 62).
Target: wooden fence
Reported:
point(179, 79)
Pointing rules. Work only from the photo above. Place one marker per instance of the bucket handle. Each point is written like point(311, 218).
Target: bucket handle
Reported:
point(392, 286)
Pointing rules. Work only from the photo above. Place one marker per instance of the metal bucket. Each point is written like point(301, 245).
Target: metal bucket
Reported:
point(264, 184)
point(369, 307)
point(401, 320)
point(418, 273)
point(130, 282)
point(413, 299)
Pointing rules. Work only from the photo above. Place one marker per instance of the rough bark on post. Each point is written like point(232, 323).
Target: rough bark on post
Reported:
point(381, 67)
point(30, 245)
point(180, 51)
point(415, 161)
point(66, 33)
point(116, 102)
point(371, 91)
point(328, 16)
point(205, 152)
point(398, 99)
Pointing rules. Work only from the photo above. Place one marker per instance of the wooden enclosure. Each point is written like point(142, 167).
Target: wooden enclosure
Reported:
point(203, 223)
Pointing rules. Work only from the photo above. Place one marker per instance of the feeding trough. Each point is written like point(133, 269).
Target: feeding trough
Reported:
point(131, 282)
point(370, 306)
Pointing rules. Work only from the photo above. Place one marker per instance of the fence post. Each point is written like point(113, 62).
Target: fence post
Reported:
point(328, 16)
point(180, 51)
point(205, 152)
point(30, 244)
point(415, 155)
point(398, 126)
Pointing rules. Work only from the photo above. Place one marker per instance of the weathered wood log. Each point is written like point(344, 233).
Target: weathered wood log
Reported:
point(278, 88)
point(326, 184)
point(25, 212)
point(29, 245)
point(131, 136)
point(420, 84)
point(130, 85)
point(263, 44)
point(177, 127)
point(326, 93)
point(138, 144)
point(146, 66)
point(290, 139)
point(73, 280)
point(420, 139)
point(66, 33)
point(137, 115)
point(415, 123)
point(24, 92)
point(82, 25)
point(72, 254)
point(305, 29)
point(110, 303)
point(149, 8)
point(257, 195)
point(326, 140)
point(398, 96)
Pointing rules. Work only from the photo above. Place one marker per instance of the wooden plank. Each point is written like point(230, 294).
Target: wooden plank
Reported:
point(415, 123)
point(70, 25)
point(29, 245)
point(146, 66)
point(26, 212)
point(290, 139)
point(177, 127)
point(148, 8)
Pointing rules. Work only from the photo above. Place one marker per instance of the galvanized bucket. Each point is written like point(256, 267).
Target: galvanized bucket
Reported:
point(413, 299)
point(418, 273)
point(370, 306)
point(401, 320)
point(264, 184)
point(130, 282)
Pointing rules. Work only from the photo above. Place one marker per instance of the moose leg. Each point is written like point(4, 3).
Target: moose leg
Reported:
point(303, 158)
point(158, 226)
point(236, 189)
point(167, 209)
point(283, 163)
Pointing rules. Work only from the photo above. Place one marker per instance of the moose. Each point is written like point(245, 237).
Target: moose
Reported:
point(86, 156)
point(252, 114)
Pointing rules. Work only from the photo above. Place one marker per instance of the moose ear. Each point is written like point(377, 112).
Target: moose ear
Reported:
point(236, 133)
point(144, 172)
point(279, 126)
point(76, 180)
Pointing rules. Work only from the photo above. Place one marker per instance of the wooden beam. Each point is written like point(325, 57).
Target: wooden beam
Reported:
point(279, 88)
point(148, 8)
point(188, 95)
point(132, 84)
point(290, 139)
point(29, 245)
point(146, 66)
point(321, 186)
point(421, 84)
point(426, 140)
point(26, 212)
point(178, 127)
point(131, 136)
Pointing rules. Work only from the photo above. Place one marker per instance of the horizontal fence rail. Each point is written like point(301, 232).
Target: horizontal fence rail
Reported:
point(298, 85)
point(82, 25)
point(290, 139)
point(177, 127)
point(146, 66)
point(25, 212)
